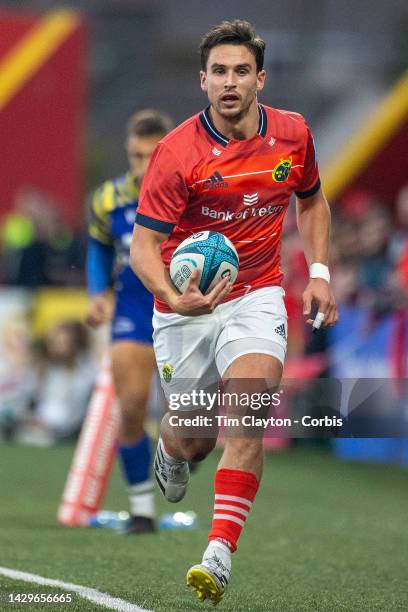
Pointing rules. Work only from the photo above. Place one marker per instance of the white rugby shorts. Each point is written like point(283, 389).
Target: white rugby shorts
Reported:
point(194, 352)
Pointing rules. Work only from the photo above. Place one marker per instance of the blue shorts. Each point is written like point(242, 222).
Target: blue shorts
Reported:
point(132, 320)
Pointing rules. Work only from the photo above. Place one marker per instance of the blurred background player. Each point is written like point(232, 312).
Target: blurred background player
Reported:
point(112, 215)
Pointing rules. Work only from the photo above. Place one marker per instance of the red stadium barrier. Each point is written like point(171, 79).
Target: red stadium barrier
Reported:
point(93, 459)
point(42, 103)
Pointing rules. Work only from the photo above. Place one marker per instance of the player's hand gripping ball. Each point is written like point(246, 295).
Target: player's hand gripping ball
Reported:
point(212, 253)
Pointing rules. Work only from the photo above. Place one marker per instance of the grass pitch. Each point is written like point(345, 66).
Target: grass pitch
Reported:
point(322, 536)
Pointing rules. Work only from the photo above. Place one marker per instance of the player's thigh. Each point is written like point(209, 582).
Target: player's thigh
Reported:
point(185, 353)
point(133, 365)
point(251, 386)
point(253, 341)
point(253, 365)
point(251, 353)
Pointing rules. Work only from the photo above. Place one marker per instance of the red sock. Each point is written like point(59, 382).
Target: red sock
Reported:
point(235, 491)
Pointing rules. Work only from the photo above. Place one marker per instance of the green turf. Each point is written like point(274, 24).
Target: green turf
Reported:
point(323, 535)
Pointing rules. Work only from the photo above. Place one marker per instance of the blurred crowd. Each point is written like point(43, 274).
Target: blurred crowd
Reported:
point(37, 248)
point(45, 386)
point(369, 262)
point(46, 383)
point(369, 247)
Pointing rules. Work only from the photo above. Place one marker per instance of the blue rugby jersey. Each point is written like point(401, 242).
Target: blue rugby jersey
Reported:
point(111, 220)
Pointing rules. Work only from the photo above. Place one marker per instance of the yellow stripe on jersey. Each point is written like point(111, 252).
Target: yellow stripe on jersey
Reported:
point(108, 197)
point(102, 203)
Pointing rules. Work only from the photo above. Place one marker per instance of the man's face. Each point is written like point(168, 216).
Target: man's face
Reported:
point(231, 80)
point(139, 151)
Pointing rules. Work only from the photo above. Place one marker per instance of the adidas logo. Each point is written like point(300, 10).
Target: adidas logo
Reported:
point(216, 152)
point(216, 181)
point(281, 331)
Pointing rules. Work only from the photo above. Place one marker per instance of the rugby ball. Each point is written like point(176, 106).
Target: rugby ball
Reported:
point(211, 253)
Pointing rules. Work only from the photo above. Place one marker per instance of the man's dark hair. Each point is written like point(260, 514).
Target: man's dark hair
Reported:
point(235, 32)
point(148, 122)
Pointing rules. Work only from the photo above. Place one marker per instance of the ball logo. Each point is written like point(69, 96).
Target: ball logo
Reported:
point(186, 272)
point(226, 274)
point(281, 171)
point(167, 372)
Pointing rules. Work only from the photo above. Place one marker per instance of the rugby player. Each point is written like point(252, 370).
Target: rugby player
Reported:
point(112, 215)
point(232, 169)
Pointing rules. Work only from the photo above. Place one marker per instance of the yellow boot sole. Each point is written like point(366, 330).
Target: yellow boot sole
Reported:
point(204, 585)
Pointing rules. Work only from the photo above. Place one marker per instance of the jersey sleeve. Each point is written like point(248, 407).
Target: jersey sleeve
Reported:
point(99, 206)
point(310, 181)
point(99, 266)
point(164, 193)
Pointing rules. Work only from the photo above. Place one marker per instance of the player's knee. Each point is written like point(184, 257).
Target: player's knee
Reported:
point(132, 402)
point(132, 412)
point(196, 449)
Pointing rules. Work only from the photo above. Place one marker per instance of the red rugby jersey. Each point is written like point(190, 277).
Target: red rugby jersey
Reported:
point(200, 180)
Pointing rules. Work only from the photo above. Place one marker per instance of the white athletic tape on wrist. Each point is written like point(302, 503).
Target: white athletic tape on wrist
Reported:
point(319, 270)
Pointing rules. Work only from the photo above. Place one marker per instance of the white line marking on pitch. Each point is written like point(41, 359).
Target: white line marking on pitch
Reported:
point(103, 599)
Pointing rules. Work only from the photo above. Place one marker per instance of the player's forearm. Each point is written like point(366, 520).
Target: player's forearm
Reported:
point(313, 221)
point(147, 264)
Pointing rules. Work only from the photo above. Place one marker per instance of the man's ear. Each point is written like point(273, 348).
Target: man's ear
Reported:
point(203, 80)
point(260, 80)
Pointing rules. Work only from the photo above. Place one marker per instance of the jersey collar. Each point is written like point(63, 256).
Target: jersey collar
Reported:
point(220, 138)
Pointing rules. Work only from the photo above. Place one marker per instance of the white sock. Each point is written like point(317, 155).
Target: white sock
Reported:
point(141, 499)
point(168, 457)
point(221, 550)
